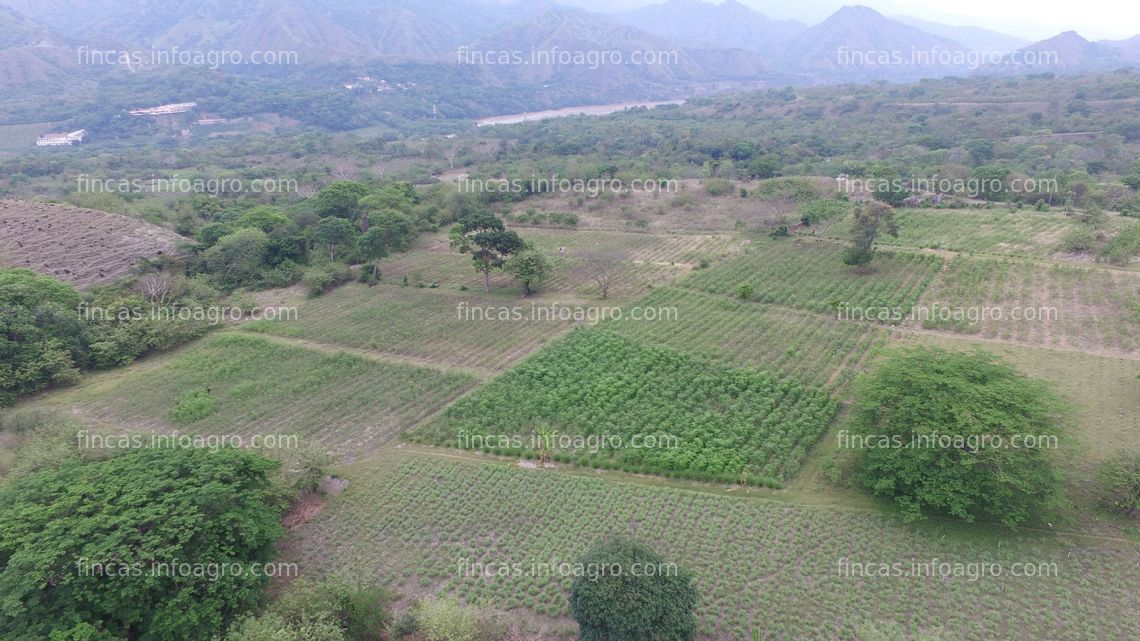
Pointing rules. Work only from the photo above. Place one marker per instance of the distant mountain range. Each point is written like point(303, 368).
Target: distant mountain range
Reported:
point(701, 46)
point(707, 26)
point(1067, 52)
point(973, 38)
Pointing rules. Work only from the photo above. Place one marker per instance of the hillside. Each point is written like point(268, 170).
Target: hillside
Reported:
point(1066, 52)
point(30, 52)
point(858, 43)
point(1129, 49)
point(80, 246)
point(557, 45)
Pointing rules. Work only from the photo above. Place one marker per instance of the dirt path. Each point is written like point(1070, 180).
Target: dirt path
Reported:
point(480, 374)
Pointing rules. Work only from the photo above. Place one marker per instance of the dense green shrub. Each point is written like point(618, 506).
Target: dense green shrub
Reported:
point(627, 592)
point(319, 279)
point(1119, 479)
point(273, 627)
point(718, 186)
point(1122, 248)
point(193, 406)
point(361, 611)
point(1078, 239)
point(796, 189)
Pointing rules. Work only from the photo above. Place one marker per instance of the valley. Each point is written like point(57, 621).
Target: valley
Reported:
point(443, 330)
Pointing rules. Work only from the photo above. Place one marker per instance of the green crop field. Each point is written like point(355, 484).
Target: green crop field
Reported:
point(23, 136)
point(1052, 305)
point(790, 343)
point(660, 249)
point(989, 231)
point(247, 385)
point(727, 423)
point(812, 276)
point(439, 326)
point(779, 569)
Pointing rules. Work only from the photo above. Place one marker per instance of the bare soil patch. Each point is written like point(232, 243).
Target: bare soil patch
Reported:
point(81, 246)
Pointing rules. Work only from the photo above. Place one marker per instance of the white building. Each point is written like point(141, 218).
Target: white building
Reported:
point(165, 110)
point(56, 140)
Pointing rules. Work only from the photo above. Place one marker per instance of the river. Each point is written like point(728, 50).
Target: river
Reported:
point(587, 110)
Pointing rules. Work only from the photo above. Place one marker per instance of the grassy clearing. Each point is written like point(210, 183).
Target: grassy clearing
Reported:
point(1054, 305)
point(434, 325)
point(425, 521)
point(653, 259)
point(724, 423)
point(686, 204)
point(811, 275)
point(989, 231)
point(789, 343)
point(248, 385)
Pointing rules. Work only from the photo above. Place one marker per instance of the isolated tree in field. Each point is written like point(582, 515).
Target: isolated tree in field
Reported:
point(387, 231)
point(960, 434)
point(530, 268)
point(341, 199)
point(602, 268)
point(133, 547)
point(870, 219)
point(635, 596)
point(334, 232)
point(490, 244)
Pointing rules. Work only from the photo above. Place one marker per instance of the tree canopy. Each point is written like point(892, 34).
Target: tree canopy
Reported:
point(633, 596)
point(870, 219)
point(960, 434)
point(490, 244)
point(155, 544)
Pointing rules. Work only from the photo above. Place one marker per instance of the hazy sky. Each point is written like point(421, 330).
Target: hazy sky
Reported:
point(1029, 19)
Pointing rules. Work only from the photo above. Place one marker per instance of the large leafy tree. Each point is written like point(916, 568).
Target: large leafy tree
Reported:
point(960, 434)
point(237, 259)
point(334, 232)
point(490, 244)
point(888, 186)
point(627, 592)
point(42, 338)
point(400, 196)
point(870, 219)
point(387, 231)
point(267, 219)
point(340, 199)
point(82, 547)
point(530, 268)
